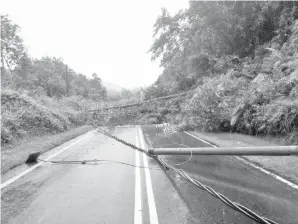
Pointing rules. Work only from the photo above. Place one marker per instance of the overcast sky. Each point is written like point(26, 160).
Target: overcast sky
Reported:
point(110, 38)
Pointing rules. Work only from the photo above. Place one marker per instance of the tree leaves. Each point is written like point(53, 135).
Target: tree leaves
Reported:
point(213, 30)
point(48, 75)
point(12, 48)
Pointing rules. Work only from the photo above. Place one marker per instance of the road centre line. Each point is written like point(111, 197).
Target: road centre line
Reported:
point(150, 196)
point(138, 197)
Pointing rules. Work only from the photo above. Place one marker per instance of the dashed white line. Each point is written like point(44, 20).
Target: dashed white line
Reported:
point(10, 181)
point(151, 202)
point(138, 197)
point(289, 183)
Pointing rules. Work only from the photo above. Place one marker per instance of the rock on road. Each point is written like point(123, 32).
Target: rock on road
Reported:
point(110, 192)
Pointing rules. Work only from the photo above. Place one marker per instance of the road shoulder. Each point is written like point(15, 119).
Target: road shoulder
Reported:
point(15, 154)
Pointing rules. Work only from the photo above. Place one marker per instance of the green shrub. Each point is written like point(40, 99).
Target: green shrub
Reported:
point(24, 115)
point(292, 138)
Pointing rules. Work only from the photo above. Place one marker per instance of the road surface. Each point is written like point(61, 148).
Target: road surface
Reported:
point(110, 192)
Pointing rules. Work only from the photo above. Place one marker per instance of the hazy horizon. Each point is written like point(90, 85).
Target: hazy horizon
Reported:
point(110, 38)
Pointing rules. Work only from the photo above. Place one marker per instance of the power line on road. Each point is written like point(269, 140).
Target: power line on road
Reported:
point(236, 206)
point(143, 102)
point(95, 162)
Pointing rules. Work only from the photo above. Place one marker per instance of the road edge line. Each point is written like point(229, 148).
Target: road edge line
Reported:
point(150, 195)
point(138, 218)
point(289, 183)
point(18, 176)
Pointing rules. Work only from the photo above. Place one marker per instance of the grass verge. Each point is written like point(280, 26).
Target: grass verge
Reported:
point(17, 152)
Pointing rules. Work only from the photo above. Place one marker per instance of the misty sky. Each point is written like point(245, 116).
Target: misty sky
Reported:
point(110, 38)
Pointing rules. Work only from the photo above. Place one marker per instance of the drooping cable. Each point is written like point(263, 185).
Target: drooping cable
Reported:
point(236, 206)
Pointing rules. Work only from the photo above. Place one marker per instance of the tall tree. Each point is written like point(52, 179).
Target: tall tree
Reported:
point(98, 91)
point(189, 42)
point(12, 48)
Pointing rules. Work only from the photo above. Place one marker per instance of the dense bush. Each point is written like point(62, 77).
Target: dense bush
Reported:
point(200, 40)
point(23, 115)
point(242, 59)
point(261, 106)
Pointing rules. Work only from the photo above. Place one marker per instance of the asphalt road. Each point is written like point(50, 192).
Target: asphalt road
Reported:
point(109, 192)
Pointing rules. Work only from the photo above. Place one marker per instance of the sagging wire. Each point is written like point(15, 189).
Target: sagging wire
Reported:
point(96, 161)
point(236, 206)
point(227, 201)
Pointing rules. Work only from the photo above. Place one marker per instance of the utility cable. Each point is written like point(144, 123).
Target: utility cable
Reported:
point(94, 162)
point(236, 206)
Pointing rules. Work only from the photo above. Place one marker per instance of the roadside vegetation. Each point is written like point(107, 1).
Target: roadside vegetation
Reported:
point(16, 152)
point(41, 96)
point(43, 101)
point(241, 60)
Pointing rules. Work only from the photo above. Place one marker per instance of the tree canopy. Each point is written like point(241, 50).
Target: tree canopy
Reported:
point(190, 42)
point(47, 75)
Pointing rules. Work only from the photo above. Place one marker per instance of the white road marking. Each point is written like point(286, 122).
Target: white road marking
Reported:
point(269, 173)
point(289, 183)
point(150, 195)
point(200, 139)
point(138, 197)
point(6, 183)
point(125, 126)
